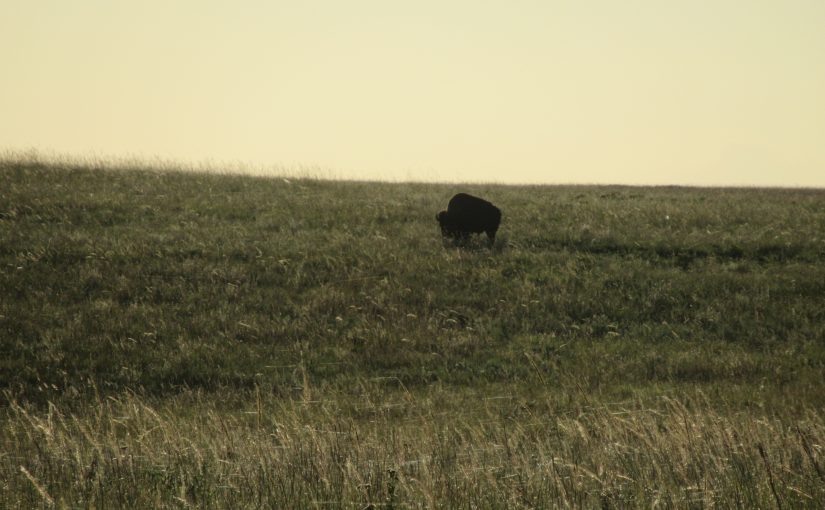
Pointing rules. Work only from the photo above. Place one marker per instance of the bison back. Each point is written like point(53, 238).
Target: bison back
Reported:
point(473, 214)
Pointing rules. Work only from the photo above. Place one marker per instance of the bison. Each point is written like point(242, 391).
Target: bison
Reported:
point(466, 215)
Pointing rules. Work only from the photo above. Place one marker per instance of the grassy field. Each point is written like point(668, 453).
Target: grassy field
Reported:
point(194, 340)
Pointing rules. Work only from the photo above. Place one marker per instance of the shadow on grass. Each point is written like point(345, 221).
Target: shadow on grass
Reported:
point(681, 256)
point(475, 243)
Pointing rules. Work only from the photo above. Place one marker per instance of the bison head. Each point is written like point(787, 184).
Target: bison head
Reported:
point(444, 221)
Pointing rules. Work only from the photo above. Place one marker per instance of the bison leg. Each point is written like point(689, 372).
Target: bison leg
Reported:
point(491, 236)
point(459, 237)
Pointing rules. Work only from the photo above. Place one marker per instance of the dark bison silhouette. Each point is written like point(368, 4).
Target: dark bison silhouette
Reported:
point(467, 215)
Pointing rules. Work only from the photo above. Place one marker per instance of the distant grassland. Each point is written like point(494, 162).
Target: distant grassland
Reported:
point(174, 339)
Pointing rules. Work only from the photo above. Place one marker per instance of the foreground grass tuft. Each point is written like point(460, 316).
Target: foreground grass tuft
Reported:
point(490, 452)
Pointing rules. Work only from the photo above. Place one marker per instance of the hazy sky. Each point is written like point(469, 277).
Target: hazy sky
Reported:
point(709, 92)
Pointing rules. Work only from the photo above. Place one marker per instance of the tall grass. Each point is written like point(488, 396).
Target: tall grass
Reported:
point(491, 452)
point(187, 339)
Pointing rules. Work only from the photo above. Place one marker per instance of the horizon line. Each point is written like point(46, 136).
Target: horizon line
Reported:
point(134, 162)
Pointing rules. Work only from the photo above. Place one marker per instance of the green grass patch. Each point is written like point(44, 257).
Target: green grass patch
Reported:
point(173, 339)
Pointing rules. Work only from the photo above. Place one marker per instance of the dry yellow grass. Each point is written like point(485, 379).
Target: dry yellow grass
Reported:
point(409, 452)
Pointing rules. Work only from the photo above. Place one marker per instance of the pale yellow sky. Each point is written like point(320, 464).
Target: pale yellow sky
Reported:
point(708, 92)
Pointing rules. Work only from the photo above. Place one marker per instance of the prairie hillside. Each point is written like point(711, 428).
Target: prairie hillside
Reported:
point(179, 339)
